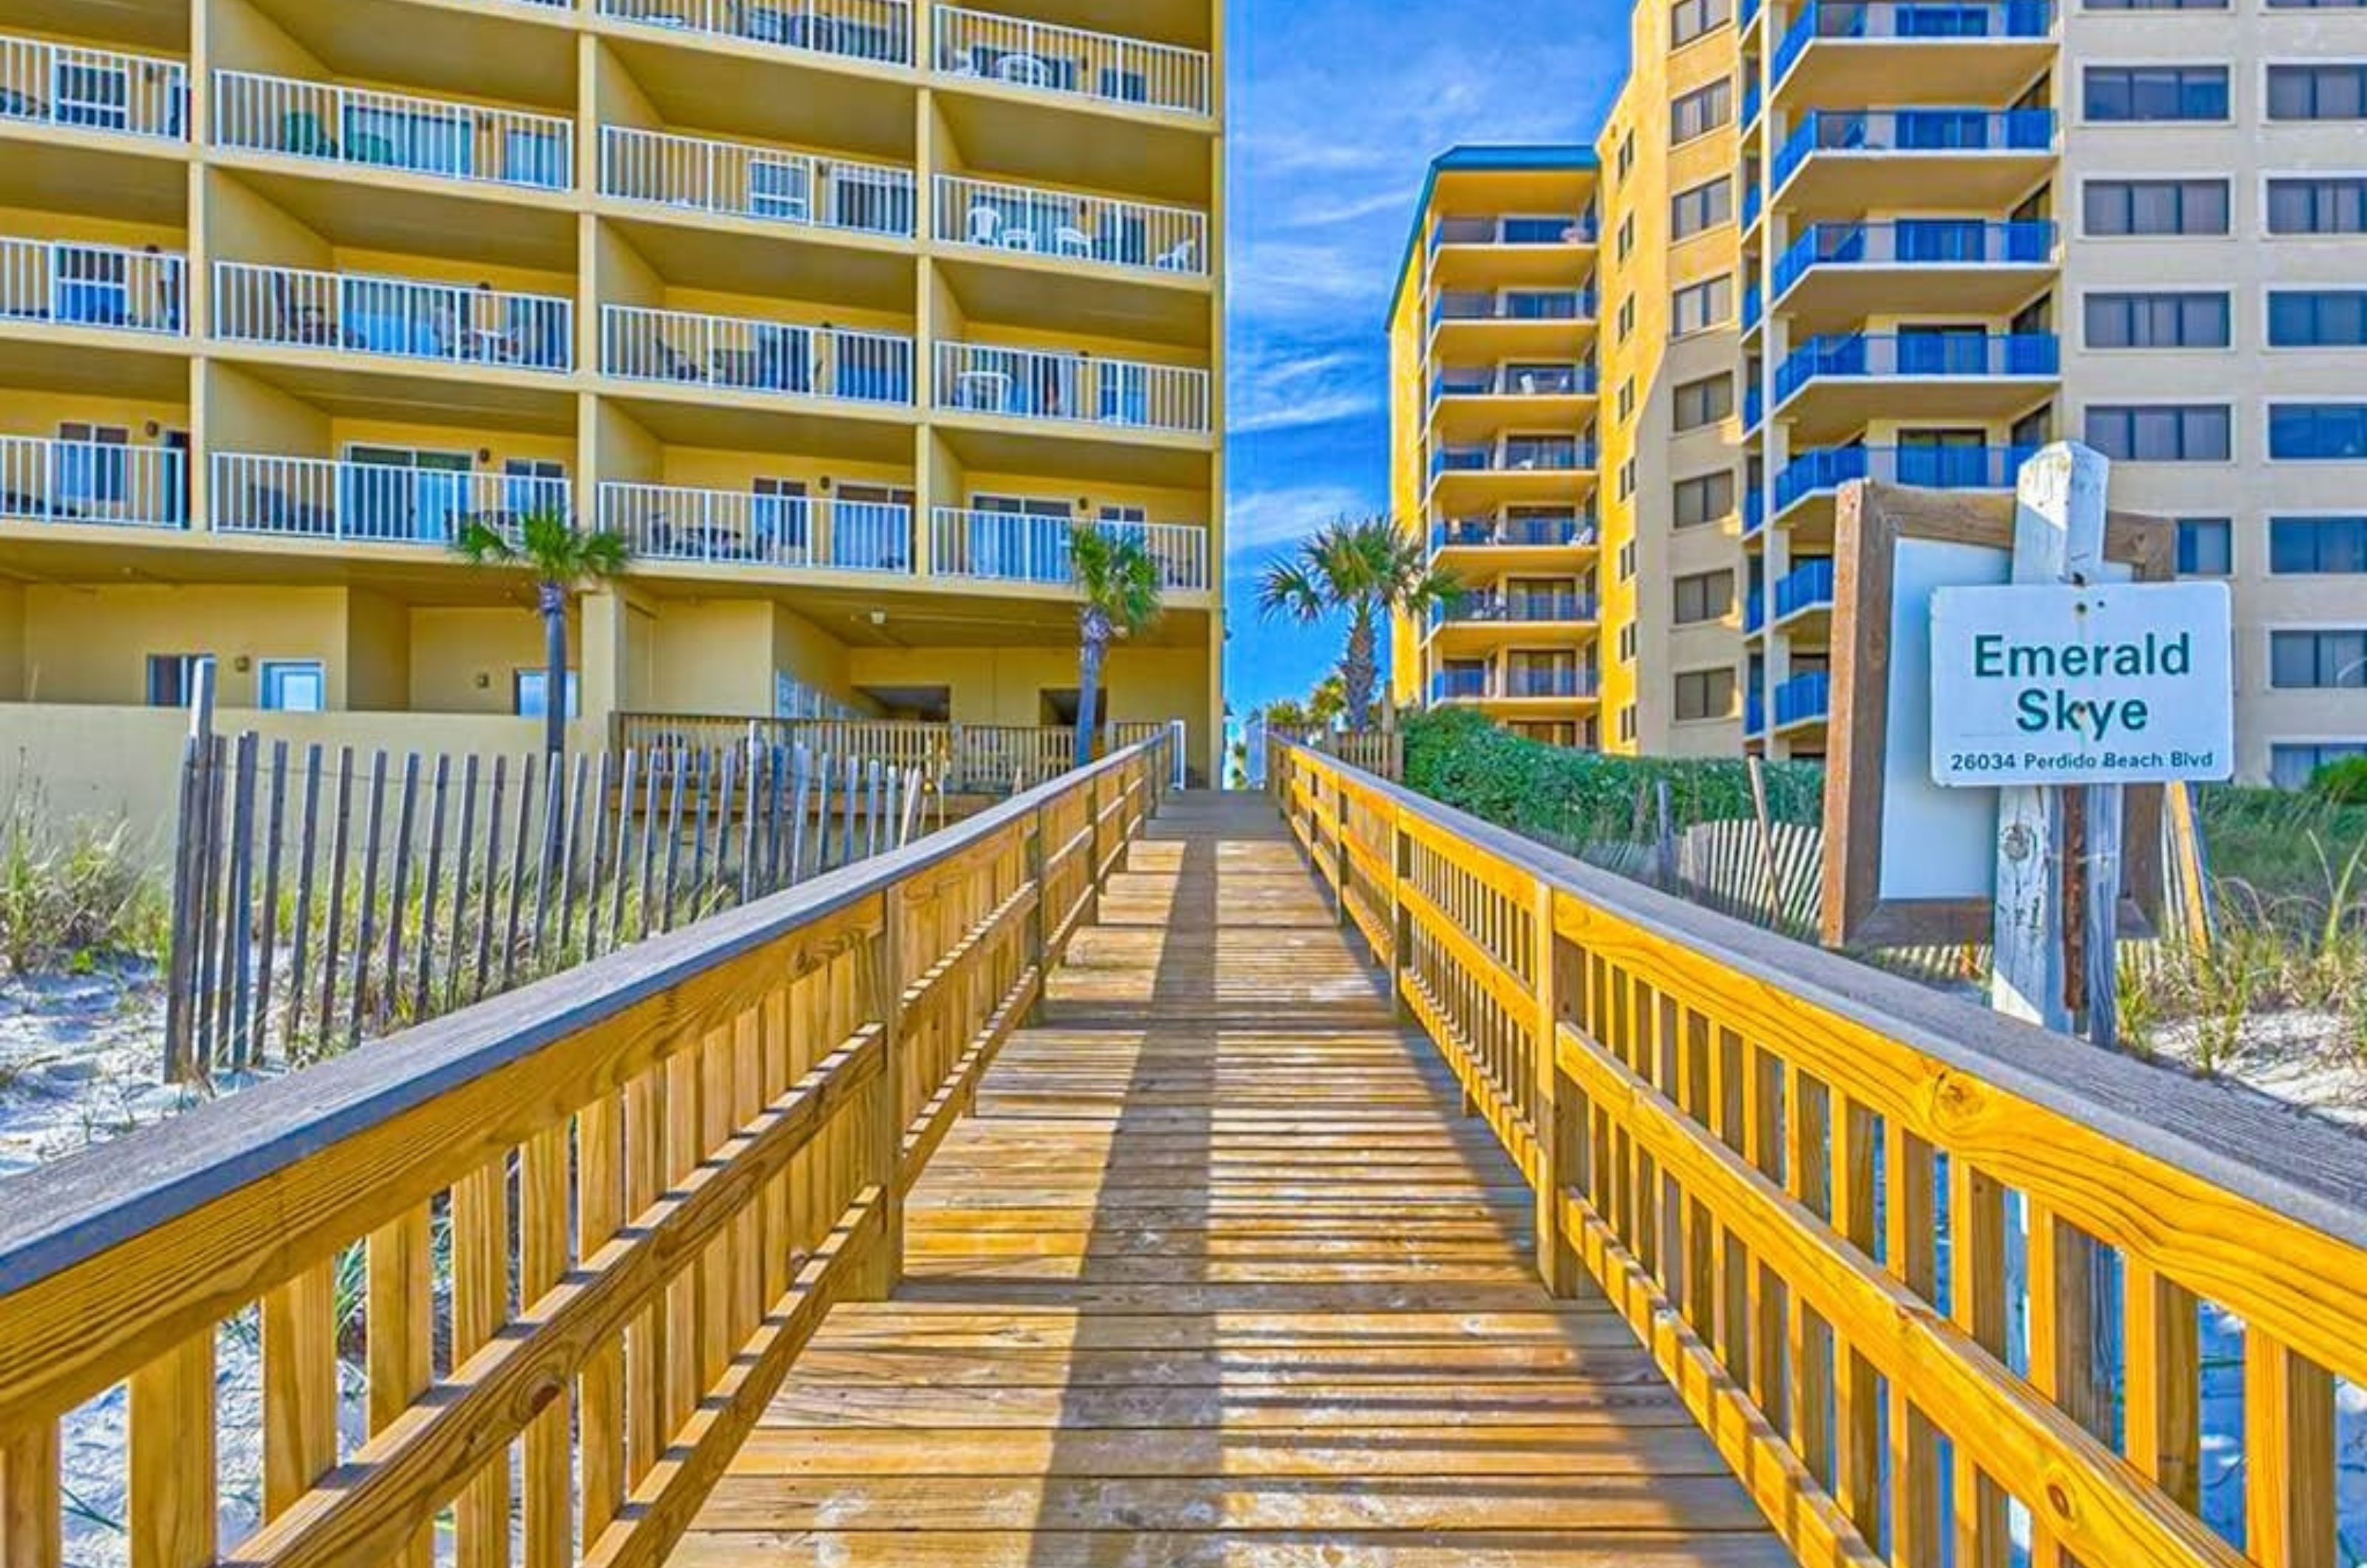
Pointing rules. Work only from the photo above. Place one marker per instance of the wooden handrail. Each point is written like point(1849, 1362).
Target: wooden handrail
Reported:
point(1769, 1157)
point(673, 1160)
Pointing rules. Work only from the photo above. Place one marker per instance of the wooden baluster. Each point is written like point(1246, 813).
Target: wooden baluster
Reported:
point(399, 1337)
point(170, 1505)
point(1910, 1222)
point(547, 1478)
point(600, 1386)
point(481, 1288)
point(1557, 1257)
point(1730, 1094)
point(885, 981)
point(1977, 1303)
point(682, 1387)
point(1807, 1341)
point(2289, 1463)
point(32, 1516)
point(2061, 1270)
point(645, 1337)
point(2161, 1341)
point(299, 1386)
point(1699, 1228)
point(1857, 1392)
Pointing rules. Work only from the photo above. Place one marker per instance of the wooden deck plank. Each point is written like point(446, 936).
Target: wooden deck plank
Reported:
point(1217, 1276)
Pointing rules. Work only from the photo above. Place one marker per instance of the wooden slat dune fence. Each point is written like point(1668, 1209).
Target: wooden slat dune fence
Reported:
point(590, 1224)
point(953, 759)
point(322, 896)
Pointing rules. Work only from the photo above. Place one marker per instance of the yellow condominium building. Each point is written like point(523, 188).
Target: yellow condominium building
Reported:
point(1493, 408)
point(840, 312)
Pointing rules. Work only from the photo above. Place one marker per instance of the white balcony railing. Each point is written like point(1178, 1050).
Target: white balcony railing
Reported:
point(475, 142)
point(93, 482)
point(744, 181)
point(738, 527)
point(94, 89)
point(1010, 547)
point(875, 31)
point(397, 317)
point(1071, 60)
point(320, 498)
point(1040, 220)
point(72, 284)
point(1022, 383)
point(641, 344)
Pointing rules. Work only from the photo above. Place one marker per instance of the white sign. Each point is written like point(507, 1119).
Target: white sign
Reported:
point(2120, 683)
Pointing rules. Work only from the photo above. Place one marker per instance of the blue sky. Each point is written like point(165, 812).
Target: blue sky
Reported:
point(1337, 107)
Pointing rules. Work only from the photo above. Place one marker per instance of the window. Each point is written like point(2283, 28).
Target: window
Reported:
point(1704, 694)
point(2161, 432)
point(2321, 661)
point(1626, 319)
point(2206, 547)
point(2337, 206)
point(1700, 305)
point(1703, 499)
point(2317, 318)
point(1627, 643)
point(2317, 92)
point(1626, 478)
point(2156, 5)
point(2157, 92)
point(2291, 764)
point(1688, 19)
point(92, 465)
point(1626, 154)
point(1704, 207)
point(172, 679)
point(1700, 111)
point(1704, 401)
point(531, 689)
point(2155, 207)
point(1705, 596)
point(2158, 321)
point(2318, 547)
point(292, 686)
point(1627, 235)
point(1628, 399)
point(2315, 5)
point(2317, 432)
point(1626, 563)
point(1627, 726)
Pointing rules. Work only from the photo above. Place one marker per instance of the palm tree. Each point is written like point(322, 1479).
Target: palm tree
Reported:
point(562, 561)
point(1119, 580)
point(1327, 704)
point(1287, 716)
point(1371, 569)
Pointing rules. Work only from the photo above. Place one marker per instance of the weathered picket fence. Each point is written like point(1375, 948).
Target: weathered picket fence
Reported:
point(320, 897)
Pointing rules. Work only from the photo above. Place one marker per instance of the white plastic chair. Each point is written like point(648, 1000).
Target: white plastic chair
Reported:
point(985, 223)
point(1178, 259)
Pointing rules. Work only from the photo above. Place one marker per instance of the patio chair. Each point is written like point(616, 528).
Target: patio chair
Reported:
point(15, 105)
point(985, 224)
point(1178, 257)
point(301, 132)
point(301, 321)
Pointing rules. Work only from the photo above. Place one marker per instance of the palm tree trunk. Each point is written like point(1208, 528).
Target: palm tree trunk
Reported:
point(1090, 652)
point(1357, 668)
point(552, 601)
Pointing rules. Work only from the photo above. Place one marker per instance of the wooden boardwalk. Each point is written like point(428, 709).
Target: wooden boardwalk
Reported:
point(1218, 1274)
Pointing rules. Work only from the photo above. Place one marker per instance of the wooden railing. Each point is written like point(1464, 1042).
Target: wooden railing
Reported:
point(581, 1230)
point(955, 758)
point(1910, 1264)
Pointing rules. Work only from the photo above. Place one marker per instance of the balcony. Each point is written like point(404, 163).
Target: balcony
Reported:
point(1574, 380)
point(67, 283)
point(1814, 475)
point(1565, 532)
point(1754, 712)
point(376, 503)
point(398, 318)
point(683, 349)
point(101, 483)
point(1804, 700)
point(1754, 511)
point(439, 138)
point(1537, 305)
point(1753, 98)
point(876, 31)
point(1071, 388)
point(1754, 611)
point(1854, 52)
point(1753, 311)
point(1517, 609)
point(674, 523)
point(1008, 546)
point(1514, 455)
point(1754, 407)
point(1462, 685)
point(1805, 590)
point(1747, 13)
point(1754, 200)
point(1016, 220)
point(737, 179)
point(1071, 63)
point(1848, 160)
point(92, 90)
point(1834, 272)
point(1834, 385)
point(1536, 681)
point(1578, 229)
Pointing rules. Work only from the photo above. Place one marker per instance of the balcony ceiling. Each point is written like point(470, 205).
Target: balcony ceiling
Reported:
point(700, 416)
point(1845, 183)
point(464, 396)
point(1834, 299)
point(1829, 409)
point(366, 209)
point(1075, 299)
point(1184, 23)
point(159, 24)
point(1840, 73)
point(145, 185)
point(1487, 342)
point(703, 84)
point(918, 615)
point(34, 355)
point(1513, 266)
point(1484, 564)
point(1460, 419)
point(1083, 454)
point(1461, 492)
point(491, 52)
point(771, 260)
point(1009, 132)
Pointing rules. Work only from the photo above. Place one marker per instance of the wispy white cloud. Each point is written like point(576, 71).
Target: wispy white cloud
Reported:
point(1275, 388)
point(1259, 522)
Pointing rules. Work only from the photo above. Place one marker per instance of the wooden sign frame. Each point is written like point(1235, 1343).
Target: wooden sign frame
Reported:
point(1871, 521)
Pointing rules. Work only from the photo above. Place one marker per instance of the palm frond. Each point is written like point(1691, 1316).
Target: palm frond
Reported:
point(546, 545)
point(1116, 575)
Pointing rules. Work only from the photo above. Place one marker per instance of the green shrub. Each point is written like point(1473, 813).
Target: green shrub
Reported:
point(1459, 757)
point(2342, 783)
point(71, 894)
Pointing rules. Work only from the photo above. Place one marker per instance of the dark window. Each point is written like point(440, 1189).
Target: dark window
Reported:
point(1705, 693)
point(2158, 321)
point(172, 679)
point(2336, 206)
point(2302, 660)
point(1704, 401)
point(1704, 207)
point(2291, 764)
point(1688, 19)
point(2206, 547)
point(2156, 206)
point(2155, 5)
point(1700, 111)
point(1707, 596)
point(1704, 499)
point(2318, 547)
point(2317, 92)
point(2317, 432)
point(2161, 432)
point(2157, 92)
point(2317, 318)
point(1700, 305)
